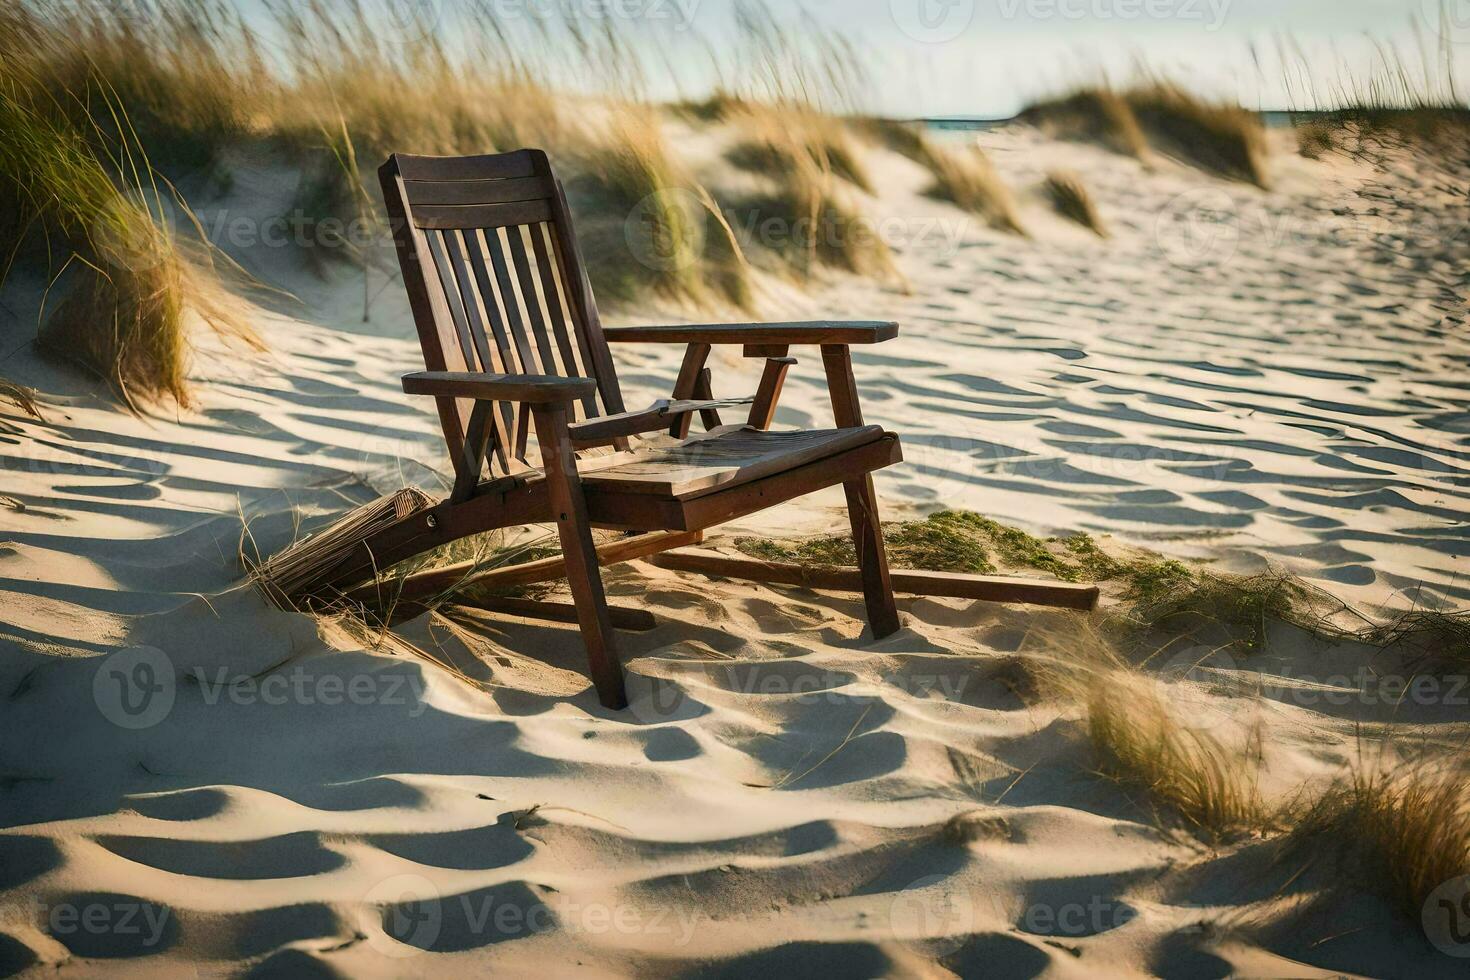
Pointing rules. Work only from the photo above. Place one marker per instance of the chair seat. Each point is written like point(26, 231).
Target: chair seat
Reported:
point(722, 459)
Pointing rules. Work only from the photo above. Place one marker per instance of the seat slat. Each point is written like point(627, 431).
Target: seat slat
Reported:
point(445, 216)
point(423, 193)
point(521, 163)
point(720, 460)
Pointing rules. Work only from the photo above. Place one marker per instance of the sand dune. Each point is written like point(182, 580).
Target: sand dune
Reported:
point(784, 796)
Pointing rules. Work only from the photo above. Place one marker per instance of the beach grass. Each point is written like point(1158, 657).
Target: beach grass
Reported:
point(22, 396)
point(1189, 776)
point(1158, 115)
point(1071, 199)
point(952, 541)
point(1140, 742)
point(1401, 833)
point(128, 287)
point(1217, 135)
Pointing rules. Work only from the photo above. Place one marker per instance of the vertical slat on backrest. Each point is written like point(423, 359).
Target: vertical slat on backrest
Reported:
point(513, 318)
point(452, 298)
point(578, 293)
point(506, 355)
point(555, 311)
point(459, 296)
point(536, 317)
point(479, 263)
point(474, 304)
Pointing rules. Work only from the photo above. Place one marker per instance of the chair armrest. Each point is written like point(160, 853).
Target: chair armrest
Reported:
point(534, 389)
point(809, 332)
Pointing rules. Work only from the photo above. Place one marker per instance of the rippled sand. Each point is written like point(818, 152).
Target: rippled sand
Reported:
point(784, 798)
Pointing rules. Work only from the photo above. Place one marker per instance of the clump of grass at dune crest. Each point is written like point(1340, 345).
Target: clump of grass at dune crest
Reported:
point(962, 176)
point(1220, 136)
point(784, 138)
point(1216, 135)
point(1096, 114)
point(808, 218)
point(650, 225)
point(1401, 834)
point(129, 287)
point(1072, 200)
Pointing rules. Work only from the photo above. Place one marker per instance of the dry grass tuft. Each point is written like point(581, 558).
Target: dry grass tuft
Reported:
point(1139, 741)
point(1171, 596)
point(1218, 136)
point(1435, 635)
point(130, 287)
point(963, 177)
point(650, 225)
point(1403, 834)
point(1095, 114)
point(23, 397)
point(1225, 138)
point(790, 139)
point(1071, 199)
point(968, 179)
point(1315, 138)
point(807, 219)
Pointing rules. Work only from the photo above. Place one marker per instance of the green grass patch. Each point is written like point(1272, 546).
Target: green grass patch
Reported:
point(952, 541)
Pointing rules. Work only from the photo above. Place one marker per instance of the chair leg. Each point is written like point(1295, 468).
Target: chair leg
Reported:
point(569, 507)
point(867, 539)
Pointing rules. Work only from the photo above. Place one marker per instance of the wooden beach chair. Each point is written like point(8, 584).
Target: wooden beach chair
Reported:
point(513, 345)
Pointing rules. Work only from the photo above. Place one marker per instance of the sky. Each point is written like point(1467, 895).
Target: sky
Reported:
point(989, 58)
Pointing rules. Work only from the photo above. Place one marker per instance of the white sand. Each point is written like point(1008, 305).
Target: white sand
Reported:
point(1290, 392)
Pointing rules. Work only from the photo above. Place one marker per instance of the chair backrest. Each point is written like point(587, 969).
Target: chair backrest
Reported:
point(496, 283)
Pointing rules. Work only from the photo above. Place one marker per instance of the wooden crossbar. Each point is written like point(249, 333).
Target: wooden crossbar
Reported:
point(632, 620)
point(543, 570)
point(989, 588)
